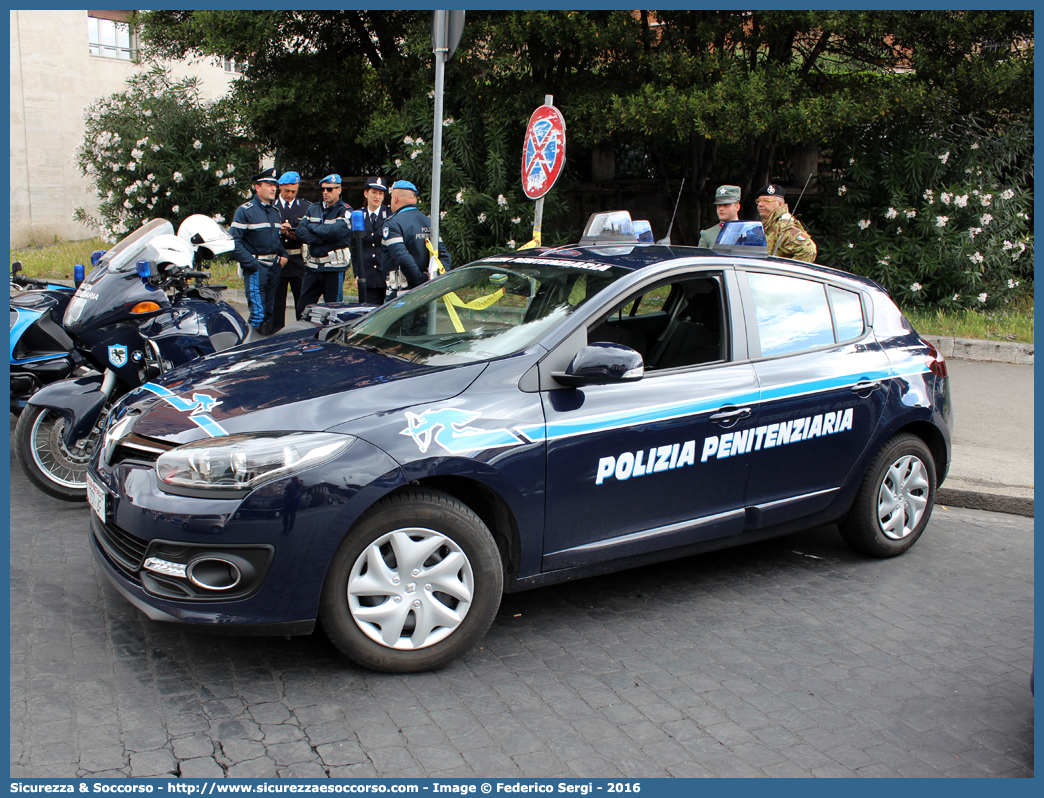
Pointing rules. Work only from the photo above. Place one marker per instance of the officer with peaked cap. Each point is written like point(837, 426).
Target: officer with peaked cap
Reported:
point(327, 230)
point(404, 235)
point(259, 251)
point(785, 237)
point(727, 204)
point(291, 209)
point(370, 279)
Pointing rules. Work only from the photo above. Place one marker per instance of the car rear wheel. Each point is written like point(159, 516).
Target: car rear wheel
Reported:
point(895, 501)
point(414, 584)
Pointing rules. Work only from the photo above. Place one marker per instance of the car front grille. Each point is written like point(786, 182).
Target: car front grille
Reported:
point(139, 449)
point(126, 551)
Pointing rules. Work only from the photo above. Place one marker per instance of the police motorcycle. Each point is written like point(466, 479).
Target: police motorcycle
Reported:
point(143, 310)
point(40, 350)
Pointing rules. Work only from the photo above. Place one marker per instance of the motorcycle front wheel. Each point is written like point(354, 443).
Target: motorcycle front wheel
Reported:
point(56, 469)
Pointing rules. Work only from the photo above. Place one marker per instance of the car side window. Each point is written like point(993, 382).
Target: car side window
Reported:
point(848, 313)
point(791, 313)
point(681, 323)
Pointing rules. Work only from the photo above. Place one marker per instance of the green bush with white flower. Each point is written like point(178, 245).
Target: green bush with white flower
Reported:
point(159, 150)
point(940, 218)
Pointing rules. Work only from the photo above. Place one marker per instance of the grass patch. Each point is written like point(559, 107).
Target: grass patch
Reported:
point(1013, 323)
point(56, 261)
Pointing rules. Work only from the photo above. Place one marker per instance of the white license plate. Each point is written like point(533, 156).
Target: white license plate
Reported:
point(96, 497)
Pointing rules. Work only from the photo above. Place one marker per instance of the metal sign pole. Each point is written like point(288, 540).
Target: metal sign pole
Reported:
point(538, 209)
point(436, 161)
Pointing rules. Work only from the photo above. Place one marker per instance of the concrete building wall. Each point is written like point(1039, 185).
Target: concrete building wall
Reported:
point(53, 79)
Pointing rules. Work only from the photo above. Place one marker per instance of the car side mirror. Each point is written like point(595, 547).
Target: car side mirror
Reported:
point(600, 364)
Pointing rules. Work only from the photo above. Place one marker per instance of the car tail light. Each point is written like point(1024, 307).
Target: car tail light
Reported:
point(936, 362)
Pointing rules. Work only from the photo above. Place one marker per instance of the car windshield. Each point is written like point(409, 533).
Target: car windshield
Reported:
point(492, 308)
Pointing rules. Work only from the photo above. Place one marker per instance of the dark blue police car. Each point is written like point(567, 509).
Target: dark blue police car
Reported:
point(527, 419)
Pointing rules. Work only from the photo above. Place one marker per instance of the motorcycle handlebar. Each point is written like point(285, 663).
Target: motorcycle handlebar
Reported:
point(21, 280)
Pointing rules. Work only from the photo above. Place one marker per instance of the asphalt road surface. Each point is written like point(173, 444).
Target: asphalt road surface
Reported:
point(795, 657)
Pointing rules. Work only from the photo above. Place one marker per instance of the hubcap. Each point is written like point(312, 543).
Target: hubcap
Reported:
point(410, 588)
point(903, 497)
point(60, 464)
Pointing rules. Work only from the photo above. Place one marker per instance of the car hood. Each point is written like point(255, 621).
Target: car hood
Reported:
point(294, 383)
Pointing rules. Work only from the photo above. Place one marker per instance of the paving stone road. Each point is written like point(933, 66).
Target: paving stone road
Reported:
point(795, 657)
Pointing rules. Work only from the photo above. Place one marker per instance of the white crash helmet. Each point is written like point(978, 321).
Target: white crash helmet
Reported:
point(202, 232)
point(169, 250)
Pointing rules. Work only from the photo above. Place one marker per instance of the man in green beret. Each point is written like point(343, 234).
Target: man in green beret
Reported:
point(784, 235)
point(727, 204)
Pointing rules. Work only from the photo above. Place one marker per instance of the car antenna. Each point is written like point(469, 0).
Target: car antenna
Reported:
point(667, 238)
point(793, 213)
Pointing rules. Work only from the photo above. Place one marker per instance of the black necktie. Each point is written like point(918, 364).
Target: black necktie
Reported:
point(373, 218)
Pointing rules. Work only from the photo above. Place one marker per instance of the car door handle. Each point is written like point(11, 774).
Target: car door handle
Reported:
point(866, 387)
point(726, 418)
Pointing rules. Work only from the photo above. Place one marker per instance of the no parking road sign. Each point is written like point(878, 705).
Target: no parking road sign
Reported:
point(543, 153)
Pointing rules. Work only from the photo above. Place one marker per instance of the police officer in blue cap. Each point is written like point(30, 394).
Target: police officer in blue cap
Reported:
point(259, 251)
point(404, 235)
point(291, 209)
point(327, 230)
point(371, 280)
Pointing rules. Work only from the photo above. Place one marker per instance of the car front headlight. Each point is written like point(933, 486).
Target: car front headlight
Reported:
point(237, 462)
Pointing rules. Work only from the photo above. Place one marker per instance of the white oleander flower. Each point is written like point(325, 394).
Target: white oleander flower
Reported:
point(217, 217)
point(516, 219)
point(982, 297)
point(974, 231)
point(976, 258)
point(460, 197)
point(985, 219)
point(864, 223)
point(502, 201)
point(1012, 283)
point(891, 213)
point(961, 202)
point(945, 157)
point(481, 218)
point(408, 140)
point(941, 221)
point(915, 287)
point(414, 154)
point(197, 144)
point(175, 209)
point(1007, 194)
point(841, 191)
point(511, 244)
point(178, 177)
point(910, 213)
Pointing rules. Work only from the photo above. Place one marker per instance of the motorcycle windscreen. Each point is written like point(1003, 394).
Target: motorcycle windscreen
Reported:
point(114, 287)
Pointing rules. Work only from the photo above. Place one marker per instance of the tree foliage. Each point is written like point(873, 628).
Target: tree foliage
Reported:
point(712, 96)
point(157, 149)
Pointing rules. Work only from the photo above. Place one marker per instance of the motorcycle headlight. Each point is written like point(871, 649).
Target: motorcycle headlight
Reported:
point(237, 462)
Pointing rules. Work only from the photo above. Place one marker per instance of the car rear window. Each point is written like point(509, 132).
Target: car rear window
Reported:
point(792, 314)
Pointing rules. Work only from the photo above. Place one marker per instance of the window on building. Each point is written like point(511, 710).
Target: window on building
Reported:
point(109, 35)
point(231, 65)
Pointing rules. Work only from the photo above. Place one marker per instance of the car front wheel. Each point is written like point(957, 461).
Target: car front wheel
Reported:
point(895, 500)
point(414, 584)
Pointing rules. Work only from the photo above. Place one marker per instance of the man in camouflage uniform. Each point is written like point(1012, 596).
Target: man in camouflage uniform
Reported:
point(784, 235)
point(727, 204)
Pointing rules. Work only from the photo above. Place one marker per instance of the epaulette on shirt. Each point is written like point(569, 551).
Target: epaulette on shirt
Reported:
point(249, 204)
